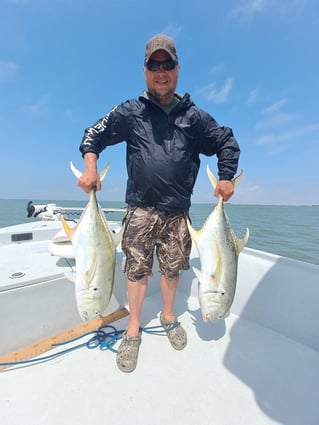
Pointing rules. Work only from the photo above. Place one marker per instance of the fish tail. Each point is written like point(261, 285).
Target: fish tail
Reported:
point(237, 179)
point(213, 178)
point(75, 171)
point(104, 171)
point(78, 173)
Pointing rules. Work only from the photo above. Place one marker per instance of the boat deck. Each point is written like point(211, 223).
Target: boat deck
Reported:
point(259, 366)
point(232, 372)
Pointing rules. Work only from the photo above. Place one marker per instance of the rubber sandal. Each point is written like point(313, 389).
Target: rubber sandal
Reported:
point(177, 335)
point(127, 353)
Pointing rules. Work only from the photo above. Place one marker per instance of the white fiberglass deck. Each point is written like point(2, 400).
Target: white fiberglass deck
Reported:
point(231, 373)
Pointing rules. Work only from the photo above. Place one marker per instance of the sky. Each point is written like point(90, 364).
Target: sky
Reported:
point(252, 64)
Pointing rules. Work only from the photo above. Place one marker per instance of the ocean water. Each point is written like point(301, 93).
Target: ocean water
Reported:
point(291, 231)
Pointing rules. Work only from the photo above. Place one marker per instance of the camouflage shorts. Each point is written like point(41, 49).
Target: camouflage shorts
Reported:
point(146, 230)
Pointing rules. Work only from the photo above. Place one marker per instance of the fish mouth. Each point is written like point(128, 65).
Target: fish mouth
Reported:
point(211, 317)
point(87, 314)
point(211, 311)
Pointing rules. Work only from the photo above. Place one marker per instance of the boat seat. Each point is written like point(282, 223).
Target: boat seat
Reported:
point(61, 246)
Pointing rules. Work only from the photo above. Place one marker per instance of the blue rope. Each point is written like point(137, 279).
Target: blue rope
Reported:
point(151, 329)
point(103, 340)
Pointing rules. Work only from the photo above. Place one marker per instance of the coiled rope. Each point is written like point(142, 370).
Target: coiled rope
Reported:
point(104, 338)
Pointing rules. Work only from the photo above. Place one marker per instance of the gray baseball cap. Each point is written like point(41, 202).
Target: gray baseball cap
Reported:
point(160, 42)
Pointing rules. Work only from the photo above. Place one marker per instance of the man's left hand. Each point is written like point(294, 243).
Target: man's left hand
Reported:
point(225, 188)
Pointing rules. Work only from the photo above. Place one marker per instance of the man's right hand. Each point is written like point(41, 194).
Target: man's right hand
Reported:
point(90, 178)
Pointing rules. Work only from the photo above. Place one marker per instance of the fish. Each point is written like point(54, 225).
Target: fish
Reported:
point(218, 249)
point(95, 256)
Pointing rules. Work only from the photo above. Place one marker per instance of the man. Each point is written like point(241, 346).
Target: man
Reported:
point(165, 133)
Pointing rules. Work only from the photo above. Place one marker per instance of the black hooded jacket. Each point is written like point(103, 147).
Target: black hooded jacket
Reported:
point(162, 154)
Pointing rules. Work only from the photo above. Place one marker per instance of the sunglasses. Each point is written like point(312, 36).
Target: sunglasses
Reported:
point(167, 65)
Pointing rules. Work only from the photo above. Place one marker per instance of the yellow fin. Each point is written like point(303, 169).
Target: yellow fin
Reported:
point(68, 230)
point(194, 233)
point(239, 243)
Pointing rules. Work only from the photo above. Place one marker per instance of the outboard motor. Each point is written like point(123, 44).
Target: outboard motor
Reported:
point(35, 210)
point(46, 212)
point(30, 209)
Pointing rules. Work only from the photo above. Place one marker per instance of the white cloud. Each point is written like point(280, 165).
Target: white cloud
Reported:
point(280, 130)
point(275, 121)
point(8, 70)
point(275, 106)
point(290, 135)
point(218, 95)
point(36, 109)
point(253, 95)
point(217, 68)
point(248, 9)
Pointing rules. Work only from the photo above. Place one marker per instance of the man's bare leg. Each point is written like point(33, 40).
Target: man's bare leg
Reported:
point(168, 289)
point(136, 295)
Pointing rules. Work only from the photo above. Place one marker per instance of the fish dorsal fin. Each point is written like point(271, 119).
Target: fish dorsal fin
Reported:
point(239, 243)
point(78, 173)
point(68, 230)
point(194, 233)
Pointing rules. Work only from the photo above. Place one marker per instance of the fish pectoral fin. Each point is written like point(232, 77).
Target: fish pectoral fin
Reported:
point(68, 230)
point(216, 275)
point(89, 274)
